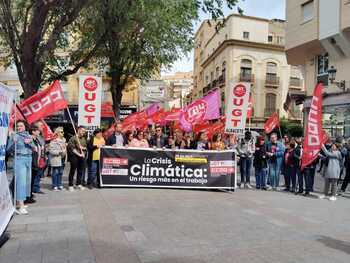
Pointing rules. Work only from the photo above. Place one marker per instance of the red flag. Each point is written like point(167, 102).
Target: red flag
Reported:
point(250, 107)
point(44, 103)
point(272, 123)
point(15, 115)
point(173, 115)
point(47, 132)
point(107, 110)
point(314, 135)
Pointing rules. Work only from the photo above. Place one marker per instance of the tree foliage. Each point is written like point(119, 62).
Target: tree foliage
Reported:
point(51, 39)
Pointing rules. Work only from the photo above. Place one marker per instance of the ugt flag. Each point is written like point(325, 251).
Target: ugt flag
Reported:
point(272, 123)
point(44, 103)
point(314, 134)
point(206, 108)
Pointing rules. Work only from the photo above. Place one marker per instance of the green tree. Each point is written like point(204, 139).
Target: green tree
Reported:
point(33, 36)
point(143, 36)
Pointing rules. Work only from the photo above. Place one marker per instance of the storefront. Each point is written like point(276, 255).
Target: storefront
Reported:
point(336, 113)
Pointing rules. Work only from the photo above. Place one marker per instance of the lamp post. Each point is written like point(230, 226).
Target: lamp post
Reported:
point(332, 72)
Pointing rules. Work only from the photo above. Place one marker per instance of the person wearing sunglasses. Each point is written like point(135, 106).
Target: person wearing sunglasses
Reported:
point(159, 140)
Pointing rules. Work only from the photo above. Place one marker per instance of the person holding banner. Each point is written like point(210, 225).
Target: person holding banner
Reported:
point(275, 152)
point(77, 153)
point(331, 173)
point(218, 143)
point(94, 145)
point(139, 141)
point(23, 163)
point(117, 139)
point(202, 142)
point(159, 140)
point(246, 149)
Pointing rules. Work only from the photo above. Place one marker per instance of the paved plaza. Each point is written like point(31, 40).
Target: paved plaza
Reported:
point(168, 226)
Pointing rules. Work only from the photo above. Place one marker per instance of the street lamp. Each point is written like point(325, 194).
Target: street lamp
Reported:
point(332, 72)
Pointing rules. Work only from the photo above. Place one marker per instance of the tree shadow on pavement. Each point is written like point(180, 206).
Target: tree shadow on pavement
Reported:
point(335, 243)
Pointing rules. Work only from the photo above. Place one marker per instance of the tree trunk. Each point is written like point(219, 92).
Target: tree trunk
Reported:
point(116, 90)
point(30, 86)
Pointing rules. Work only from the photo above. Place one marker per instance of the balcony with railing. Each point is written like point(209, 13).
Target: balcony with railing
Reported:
point(295, 82)
point(246, 77)
point(221, 80)
point(272, 80)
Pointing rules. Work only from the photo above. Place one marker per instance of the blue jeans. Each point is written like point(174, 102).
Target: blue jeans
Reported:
point(93, 172)
point(23, 173)
point(260, 178)
point(274, 175)
point(57, 173)
point(37, 178)
point(245, 166)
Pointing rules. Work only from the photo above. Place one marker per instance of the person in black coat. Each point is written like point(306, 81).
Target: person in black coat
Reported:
point(260, 163)
point(159, 140)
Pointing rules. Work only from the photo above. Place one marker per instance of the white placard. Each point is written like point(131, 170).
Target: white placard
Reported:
point(6, 207)
point(90, 92)
point(237, 106)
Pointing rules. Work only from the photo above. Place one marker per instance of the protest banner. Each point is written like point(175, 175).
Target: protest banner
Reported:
point(6, 207)
point(136, 167)
point(90, 92)
point(237, 106)
point(44, 103)
point(314, 135)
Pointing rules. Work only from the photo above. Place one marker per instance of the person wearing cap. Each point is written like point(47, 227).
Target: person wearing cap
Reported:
point(246, 149)
point(94, 146)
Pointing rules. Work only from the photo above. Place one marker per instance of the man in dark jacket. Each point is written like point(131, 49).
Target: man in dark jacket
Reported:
point(297, 155)
point(117, 139)
point(347, 167)
point(159, 140)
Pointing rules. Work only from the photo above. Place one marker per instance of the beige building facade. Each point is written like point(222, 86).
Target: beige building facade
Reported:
point(318, 40)
point(247, 49)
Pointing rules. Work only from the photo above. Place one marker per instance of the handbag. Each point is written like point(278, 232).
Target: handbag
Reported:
point(42, 163)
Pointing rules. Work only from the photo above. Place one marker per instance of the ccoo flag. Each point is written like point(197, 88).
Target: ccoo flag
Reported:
point(314, 135)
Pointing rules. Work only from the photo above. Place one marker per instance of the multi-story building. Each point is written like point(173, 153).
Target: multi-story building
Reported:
point(318, 39)
point(247, 49)
point(180, 85)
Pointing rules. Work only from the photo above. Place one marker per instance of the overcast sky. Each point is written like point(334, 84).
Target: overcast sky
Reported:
point(260, 8)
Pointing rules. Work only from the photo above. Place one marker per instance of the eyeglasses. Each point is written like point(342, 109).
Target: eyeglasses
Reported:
point(158, 130)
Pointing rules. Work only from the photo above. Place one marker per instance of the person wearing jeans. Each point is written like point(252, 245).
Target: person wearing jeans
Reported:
point(77, 152)
point(309, 175)
point(275, 152)
point(57, 152)
point(246, 149)
point(94, 145)
point(21, 143)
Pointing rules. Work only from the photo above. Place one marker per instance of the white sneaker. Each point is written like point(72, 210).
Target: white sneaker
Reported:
point(71, 189)
point(332, 198)
point(249, 186)
point(61, 188)
point(322, 197)
point(80, 187)
point(55, 189)
point(22, 211)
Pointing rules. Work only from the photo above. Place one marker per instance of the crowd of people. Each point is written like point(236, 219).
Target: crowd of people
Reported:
point(271, 158)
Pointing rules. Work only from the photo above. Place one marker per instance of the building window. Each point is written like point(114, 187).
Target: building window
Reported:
point(246, 35)
point(217, 72)
point(270, 39)
point(307, 11)
point(206, 80)
point(223, 70)
point(271, 73)
point(280, 40)
point(211, 76)
point(270, 103)
point(322, 69)
point(201, 56)
point(322, 64)
point(246, 70)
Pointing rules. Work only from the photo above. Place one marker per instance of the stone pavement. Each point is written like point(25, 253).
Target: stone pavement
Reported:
point(168, 226)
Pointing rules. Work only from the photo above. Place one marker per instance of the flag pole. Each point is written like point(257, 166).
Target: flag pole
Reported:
point(75, 131)
point(279, 128)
